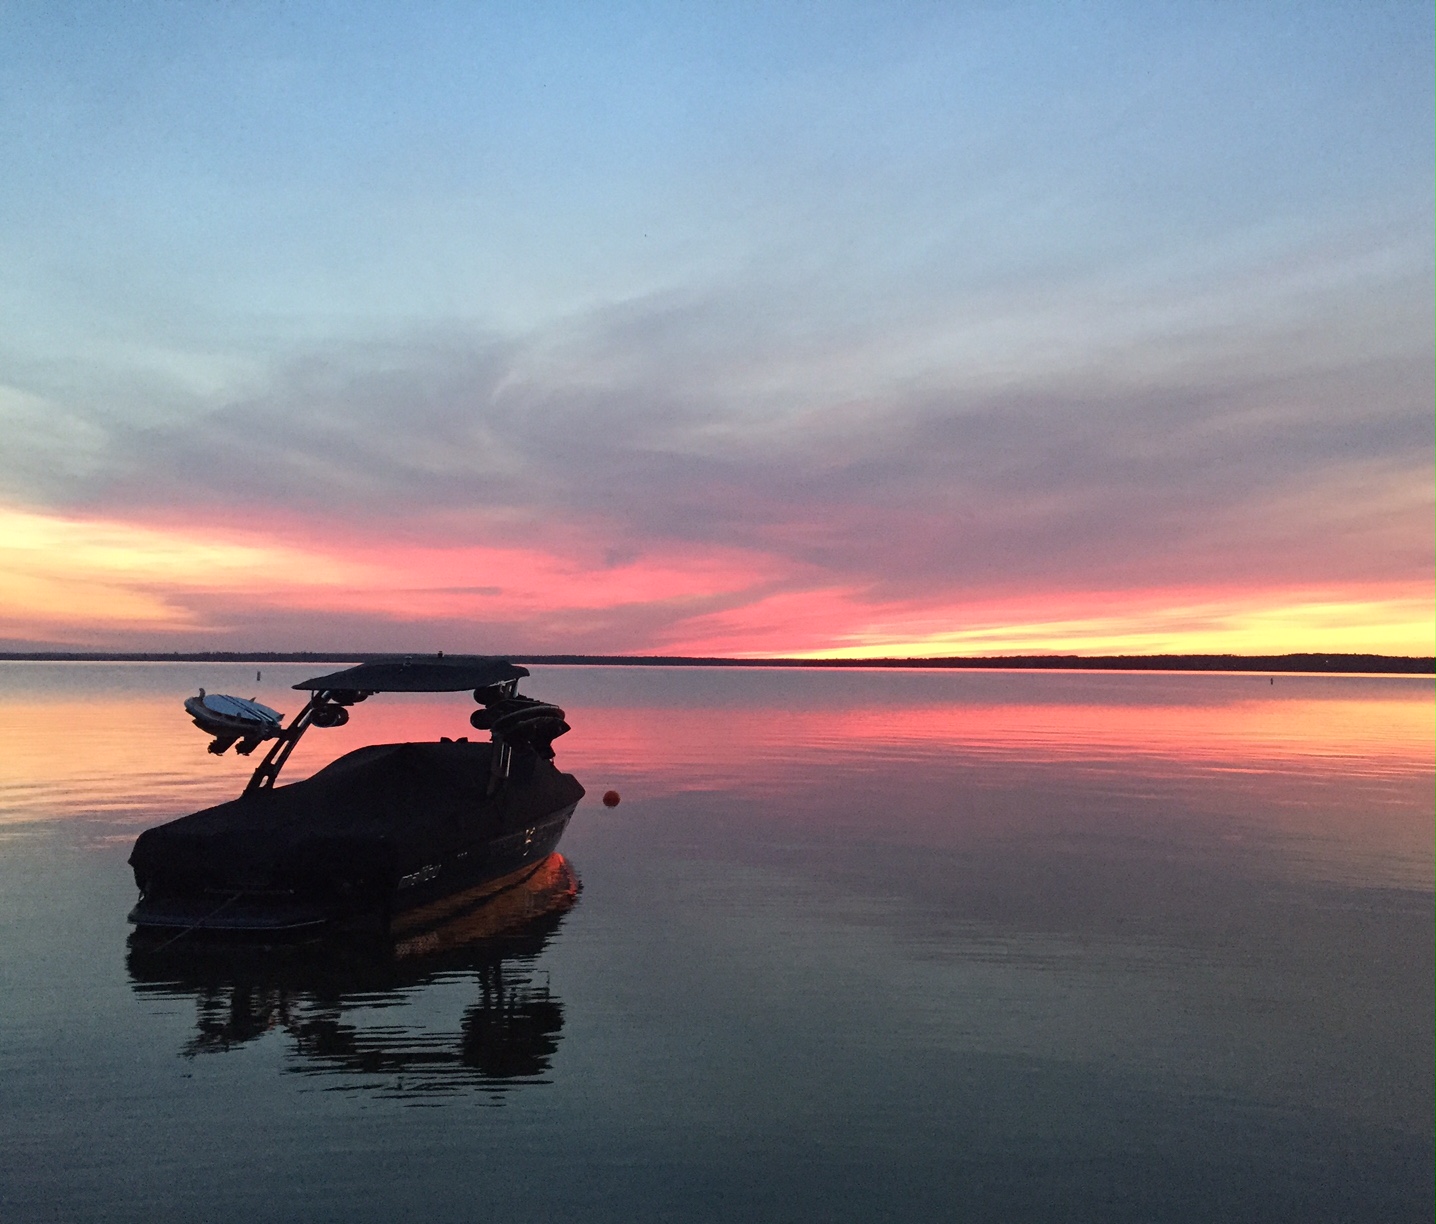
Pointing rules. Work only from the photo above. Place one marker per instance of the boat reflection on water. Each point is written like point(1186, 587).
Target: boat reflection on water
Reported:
point(347, 1002)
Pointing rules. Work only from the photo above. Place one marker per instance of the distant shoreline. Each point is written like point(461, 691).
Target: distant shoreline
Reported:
point(1330, 664)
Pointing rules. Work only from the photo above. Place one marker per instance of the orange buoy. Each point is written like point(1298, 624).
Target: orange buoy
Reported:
point(610, 798)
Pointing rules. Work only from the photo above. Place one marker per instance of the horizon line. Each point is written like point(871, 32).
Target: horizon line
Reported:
point(1310, 662)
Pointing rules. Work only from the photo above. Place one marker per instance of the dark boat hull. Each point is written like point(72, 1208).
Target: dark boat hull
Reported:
point(507, 862)
point(395, 829)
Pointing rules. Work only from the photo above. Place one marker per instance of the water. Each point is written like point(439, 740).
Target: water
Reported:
point(855, 946)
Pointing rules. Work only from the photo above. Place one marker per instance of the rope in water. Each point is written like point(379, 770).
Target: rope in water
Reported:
point(196, 925)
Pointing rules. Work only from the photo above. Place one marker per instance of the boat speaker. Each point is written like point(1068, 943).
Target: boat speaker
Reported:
point(329, 716)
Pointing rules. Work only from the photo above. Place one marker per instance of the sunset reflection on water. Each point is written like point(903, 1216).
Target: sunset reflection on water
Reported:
point(1004, 942)
point(1338, 762)
point(1384, 726)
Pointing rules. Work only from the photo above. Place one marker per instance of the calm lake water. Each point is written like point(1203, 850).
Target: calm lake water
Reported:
point(856, 945)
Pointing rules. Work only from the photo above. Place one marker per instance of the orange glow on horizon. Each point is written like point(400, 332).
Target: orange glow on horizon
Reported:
point(81, 580)
point(95, 583)
point(1394, 619)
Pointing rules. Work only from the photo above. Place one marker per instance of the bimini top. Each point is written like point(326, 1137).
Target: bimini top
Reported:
point(418, 674)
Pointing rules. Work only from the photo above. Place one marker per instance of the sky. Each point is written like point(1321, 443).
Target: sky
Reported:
point(811, 329)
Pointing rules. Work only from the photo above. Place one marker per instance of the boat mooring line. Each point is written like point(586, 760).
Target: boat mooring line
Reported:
point(196, 925)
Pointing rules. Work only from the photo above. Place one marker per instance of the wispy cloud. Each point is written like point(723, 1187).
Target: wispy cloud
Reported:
point(876, 329)
point(624, 478)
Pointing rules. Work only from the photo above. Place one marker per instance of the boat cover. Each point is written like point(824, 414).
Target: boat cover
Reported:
point(361, 822)
point(418, 674)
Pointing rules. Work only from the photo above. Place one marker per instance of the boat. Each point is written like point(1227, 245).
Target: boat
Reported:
point(382, 832)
